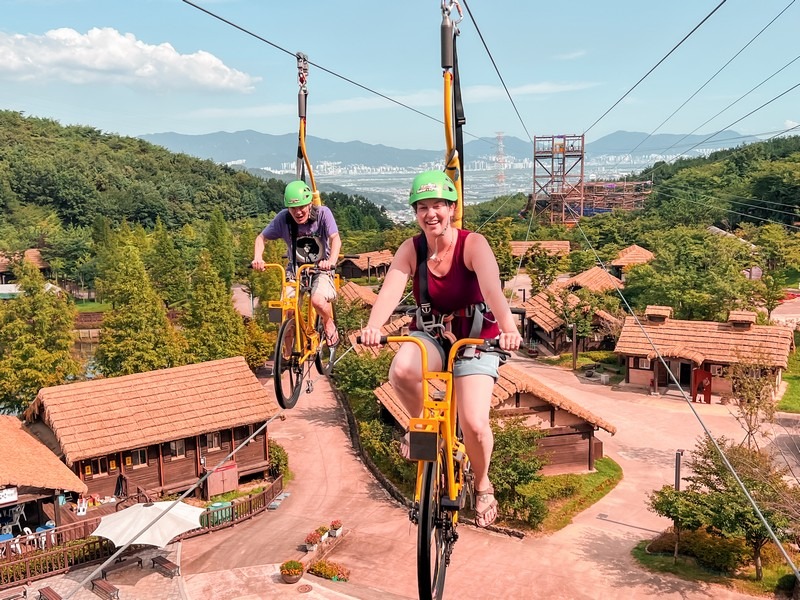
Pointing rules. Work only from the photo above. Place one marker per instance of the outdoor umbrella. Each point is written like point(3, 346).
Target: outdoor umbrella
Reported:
point(123, 526)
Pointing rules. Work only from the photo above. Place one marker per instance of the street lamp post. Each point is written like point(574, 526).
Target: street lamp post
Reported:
point(678, 454)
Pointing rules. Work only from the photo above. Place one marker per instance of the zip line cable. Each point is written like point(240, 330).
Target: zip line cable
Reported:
point(497, 70)
point(742, 97)
point(194, 486)
point(326, 70)
point(686, 37)
point(710, 79)
point(747, 204)
point(689, 403)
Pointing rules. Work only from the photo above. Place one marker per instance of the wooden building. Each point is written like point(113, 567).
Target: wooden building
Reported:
point(570, 444)
point(698, 351)
point(368, 264)
point(158, 432)
point(30, 474)
point(553, 247)
point(353, 293)
point(7, 263)
point(628, 257)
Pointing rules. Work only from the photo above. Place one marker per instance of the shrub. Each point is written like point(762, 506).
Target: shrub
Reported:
point(602, 356)
point(292, 567)
point(313, 537)
point(336, 524)
point(712, 551)
point(278, 459)
point(555, 487)
point(329, 570)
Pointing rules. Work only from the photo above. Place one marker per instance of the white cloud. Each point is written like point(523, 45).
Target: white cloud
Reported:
point(570, 55)
point(421, 100)
point(108, 56)
point(789, 124)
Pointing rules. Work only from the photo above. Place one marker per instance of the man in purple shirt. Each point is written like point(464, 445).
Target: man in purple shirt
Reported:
point(311, 237)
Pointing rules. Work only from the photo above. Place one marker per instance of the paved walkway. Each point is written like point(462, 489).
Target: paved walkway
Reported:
point(588, 559)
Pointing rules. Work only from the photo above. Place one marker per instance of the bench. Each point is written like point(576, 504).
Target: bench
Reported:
point(166, 566)
point(48, 593)
point(119, 565)
point(13, 593)
point(104, 589)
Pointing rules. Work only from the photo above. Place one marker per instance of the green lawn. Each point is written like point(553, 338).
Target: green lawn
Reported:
point(593, 487)
point(776, 577)
point(792, 277)
point(87, 306)
point(791, 399)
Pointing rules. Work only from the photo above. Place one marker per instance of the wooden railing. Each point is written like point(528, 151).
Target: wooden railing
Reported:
point(27, 558)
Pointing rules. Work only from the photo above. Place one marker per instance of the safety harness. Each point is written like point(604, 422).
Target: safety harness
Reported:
point(312, 216)
point(436, 324)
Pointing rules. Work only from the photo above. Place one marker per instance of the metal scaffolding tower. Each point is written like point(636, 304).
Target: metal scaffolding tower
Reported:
point(558, 177)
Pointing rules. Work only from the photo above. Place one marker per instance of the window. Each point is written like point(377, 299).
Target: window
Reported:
point(98, 466)
point(177, 449)
point(644, 363)
point(138, 458)
point(716, 370)
point(213, 441)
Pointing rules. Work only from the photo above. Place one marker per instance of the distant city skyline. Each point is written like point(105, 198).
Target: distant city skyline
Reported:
point(163, 65)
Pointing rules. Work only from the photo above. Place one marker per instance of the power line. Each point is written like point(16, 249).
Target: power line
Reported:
point(324, 69)
point(686, 37)
point(710, 79)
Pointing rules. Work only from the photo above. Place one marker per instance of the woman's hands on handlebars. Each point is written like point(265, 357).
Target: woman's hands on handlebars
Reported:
point(510, 340)
point(371, 336)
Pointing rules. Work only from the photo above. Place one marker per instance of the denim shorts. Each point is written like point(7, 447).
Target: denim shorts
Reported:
point(486, 363)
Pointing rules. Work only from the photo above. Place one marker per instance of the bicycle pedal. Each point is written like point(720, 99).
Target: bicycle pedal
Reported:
point(413, 515)
point(309, 387)
point(456, 504)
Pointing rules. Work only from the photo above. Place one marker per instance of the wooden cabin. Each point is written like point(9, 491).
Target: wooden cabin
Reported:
point(352, 293)
point(628, 257)
point(570, 444)
point(368, 264)
point(7, 263)
point(696, 351)
point(158, 432)
point(552, 247)
point(31, 475)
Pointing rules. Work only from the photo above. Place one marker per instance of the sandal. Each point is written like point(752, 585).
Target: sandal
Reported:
point(332, 339)
point(481, 519)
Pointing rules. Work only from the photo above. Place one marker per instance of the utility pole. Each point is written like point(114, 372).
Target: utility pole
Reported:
point(678, 454)
point(574, 347)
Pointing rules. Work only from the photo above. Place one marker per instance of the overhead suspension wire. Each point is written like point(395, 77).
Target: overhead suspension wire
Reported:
point(689, 403)
point(321, 68)
point(742, 97)
point(635, 85)
point(97, 570)
point(497, 70)
point(710, 79)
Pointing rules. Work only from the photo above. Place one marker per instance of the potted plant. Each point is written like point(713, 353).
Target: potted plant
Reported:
point(292, 571)
point(336, 528)
point(312, 539)
point(323, 533)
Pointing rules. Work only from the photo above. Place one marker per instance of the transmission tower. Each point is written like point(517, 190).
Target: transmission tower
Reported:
point(500, 163)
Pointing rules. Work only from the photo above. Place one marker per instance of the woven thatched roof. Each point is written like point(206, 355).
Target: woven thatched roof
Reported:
point(94, 418)
point(28, 462)
point(700, 341)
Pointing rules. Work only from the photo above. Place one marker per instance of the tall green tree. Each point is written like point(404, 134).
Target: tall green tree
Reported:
point(498, 234)
point(166, 267)
point(35, 340)
point(211, 325)
point(219, 243)
point(136, 335)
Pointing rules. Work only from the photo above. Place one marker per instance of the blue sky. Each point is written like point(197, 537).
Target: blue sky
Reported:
point(148, 66)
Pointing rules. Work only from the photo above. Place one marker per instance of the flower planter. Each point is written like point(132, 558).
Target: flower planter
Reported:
point(335, 532)
point(311, 547)
point(288, 578)
point(324, 537)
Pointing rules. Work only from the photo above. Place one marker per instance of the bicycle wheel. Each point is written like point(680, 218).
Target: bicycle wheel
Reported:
point(285, 371)
point(326, 355)
point(432, 544)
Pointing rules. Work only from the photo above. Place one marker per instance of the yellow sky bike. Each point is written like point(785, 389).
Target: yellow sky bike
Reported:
point(301, 339)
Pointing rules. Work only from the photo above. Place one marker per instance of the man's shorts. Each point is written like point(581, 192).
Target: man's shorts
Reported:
point(485, 363)
point(322, 283)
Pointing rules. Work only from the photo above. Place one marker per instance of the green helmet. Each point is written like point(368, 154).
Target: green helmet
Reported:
point(297, 194)
point(432, 184)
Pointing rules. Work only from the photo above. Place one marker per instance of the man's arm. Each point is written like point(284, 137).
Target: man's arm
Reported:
point(258, 253)
point(335, 242)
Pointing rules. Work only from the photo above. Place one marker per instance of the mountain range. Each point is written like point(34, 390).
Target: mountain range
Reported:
point(253, 150)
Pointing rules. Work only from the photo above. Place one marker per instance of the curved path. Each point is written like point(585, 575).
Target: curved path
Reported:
point(588, 559)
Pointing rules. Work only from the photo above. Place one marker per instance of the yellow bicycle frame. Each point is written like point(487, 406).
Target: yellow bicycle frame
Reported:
point(306, 338)
point(438, 420)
